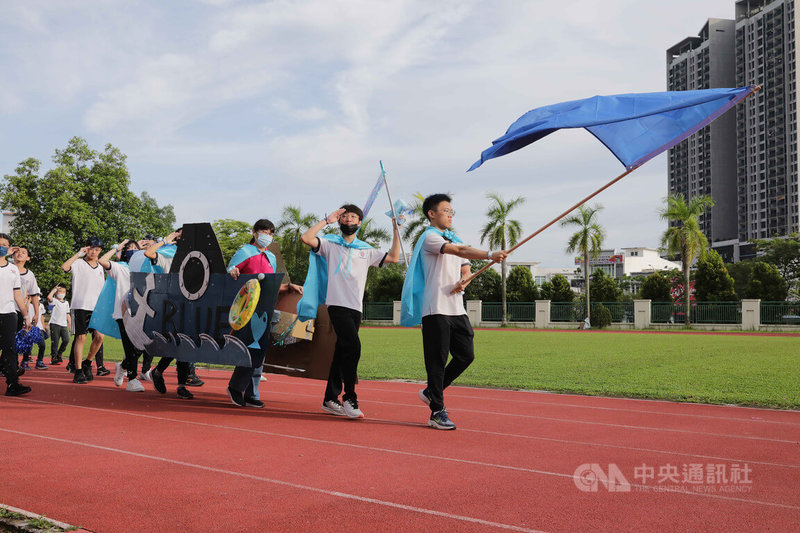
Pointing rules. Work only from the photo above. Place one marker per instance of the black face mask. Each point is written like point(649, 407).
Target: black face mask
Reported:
point(127, 254)
point(348, 229)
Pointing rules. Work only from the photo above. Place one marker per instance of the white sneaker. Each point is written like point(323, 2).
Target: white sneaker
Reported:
point(263, 377)
point(119, 374)
point(351, 409)
point(145, 376)
point(135, 385)
point(333, 407)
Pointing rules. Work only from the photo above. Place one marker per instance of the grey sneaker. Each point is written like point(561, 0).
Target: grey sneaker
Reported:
point(333, 407)
point(351, 409)
point(119, 374)
point(134, 385)
point(440, 420)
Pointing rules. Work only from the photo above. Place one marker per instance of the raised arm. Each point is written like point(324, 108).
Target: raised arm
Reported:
point(394, 252)
point(68, 263)
point(51, 293)
point(150, 253)
point(310, 238)
point(105, 260)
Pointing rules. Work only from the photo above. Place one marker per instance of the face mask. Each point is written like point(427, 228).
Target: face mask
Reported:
point(127, 254)
point(348, 229)
point(263, 240)
point(60, 296)
point(3, 251)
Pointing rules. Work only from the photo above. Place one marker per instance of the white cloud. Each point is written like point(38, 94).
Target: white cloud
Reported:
point(233, 109)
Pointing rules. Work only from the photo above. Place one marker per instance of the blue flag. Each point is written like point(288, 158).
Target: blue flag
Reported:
point(375, 190)
point(635, 127)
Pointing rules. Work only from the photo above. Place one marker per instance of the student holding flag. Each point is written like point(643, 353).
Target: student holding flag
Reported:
point(435, 279)
point(337, 275)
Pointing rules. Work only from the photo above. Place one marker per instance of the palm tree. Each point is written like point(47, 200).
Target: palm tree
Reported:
point(502, 233)
point(588, 240)
point(417, 223)
point(292, 225)
point(371, 234)
point(685, 237)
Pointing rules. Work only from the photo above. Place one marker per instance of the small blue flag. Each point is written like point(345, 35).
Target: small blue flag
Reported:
point(375, 190)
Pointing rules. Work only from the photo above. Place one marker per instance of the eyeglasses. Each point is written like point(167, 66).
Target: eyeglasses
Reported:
point(448, 212)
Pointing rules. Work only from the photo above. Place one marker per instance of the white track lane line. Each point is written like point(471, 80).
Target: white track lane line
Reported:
point(362, 499)
point(395, 452)
point(553, 419)
point(566, 420)
point(617, 409)
point(556, 404)
point(467, 430)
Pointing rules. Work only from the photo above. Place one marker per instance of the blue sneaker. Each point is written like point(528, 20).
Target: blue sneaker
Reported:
point(440, 420)
point(25, 365)
point(40, 365)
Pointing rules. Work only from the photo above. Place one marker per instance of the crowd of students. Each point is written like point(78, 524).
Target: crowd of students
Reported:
point(338, 264)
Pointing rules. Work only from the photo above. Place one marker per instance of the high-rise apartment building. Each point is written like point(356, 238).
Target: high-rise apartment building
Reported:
point(747, 159)
point(767, 121)
point(705, 163)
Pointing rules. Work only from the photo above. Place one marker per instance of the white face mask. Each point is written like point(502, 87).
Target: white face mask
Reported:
point(263, 240)
point(60, 296)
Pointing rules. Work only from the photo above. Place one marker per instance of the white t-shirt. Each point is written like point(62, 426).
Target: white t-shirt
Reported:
point(442, 272)
point(28, 285)
point(120, 273)
point(39, 324)
point(164, 262)
point(60, 312)
point(87, 282)
point(347, 272)
point(9, 280)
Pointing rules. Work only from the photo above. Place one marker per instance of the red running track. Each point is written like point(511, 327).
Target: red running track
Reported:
point(109, 460)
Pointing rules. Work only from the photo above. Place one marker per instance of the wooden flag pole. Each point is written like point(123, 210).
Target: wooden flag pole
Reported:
point(559, 217)
point(568, 211)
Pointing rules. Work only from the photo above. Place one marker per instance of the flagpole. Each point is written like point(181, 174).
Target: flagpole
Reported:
point(394, 215)
point(577, 205)
point(559, 217)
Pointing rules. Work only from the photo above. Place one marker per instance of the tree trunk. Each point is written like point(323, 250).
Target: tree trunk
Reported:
point(503, 289)
point(586, 270)
point(686, 288)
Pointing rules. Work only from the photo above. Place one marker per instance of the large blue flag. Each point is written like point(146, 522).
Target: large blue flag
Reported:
point(635, 127)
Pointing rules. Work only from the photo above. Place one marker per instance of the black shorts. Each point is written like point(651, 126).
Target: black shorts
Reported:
point(82, 318)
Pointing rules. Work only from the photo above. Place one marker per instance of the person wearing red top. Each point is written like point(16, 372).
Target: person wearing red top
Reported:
point(254, 258)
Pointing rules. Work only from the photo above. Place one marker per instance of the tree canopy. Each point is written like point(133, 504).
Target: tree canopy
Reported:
point(712, 283)
point(87, 193)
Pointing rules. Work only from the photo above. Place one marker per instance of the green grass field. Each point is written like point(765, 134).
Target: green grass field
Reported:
point(755, 370)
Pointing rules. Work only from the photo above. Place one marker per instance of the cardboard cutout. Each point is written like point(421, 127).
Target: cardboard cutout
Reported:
point(184, 313)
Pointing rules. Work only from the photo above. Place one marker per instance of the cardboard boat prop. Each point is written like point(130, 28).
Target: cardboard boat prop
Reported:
point(184, 313)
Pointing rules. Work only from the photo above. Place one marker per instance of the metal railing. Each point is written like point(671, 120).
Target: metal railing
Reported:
point(621, 312)
point(515, 311)
point(378, 311)
point(780, 312)
point(699, 313)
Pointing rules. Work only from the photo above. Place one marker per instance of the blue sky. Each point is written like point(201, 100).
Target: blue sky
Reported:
point(234, 109)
